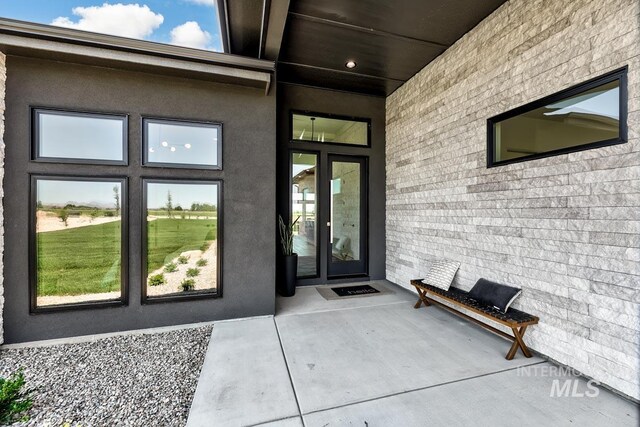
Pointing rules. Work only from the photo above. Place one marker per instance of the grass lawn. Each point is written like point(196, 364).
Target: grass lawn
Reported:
point(86, 260)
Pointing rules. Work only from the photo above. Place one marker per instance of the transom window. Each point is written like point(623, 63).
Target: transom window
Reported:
point(178, 143)
point(590, 115)
point(65, 136)
point(329, 129)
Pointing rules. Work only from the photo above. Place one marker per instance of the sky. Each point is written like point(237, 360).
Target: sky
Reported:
point(191, 23)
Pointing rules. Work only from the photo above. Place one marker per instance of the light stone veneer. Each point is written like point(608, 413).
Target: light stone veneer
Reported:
point(3, 78)
point(566, 229)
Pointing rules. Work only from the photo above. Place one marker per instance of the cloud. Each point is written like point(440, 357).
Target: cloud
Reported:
point(203, 2)
point(127, 20)
point(190, 34)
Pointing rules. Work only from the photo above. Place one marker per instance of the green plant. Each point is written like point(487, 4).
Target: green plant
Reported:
point(14, 398)
point(286, 235)
point(64, 216)
point(205, 246)
point(193, 272)
point(183, 259)
point(187, 285)
point(171, 267)
point(202, 262)
point(157, 280)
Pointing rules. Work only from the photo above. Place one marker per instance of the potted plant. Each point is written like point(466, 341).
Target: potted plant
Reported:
point(289, 266)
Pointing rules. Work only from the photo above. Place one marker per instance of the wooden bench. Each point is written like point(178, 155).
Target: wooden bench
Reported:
point(517, 320)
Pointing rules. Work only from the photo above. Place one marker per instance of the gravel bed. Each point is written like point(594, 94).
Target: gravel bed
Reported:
point(133, 380)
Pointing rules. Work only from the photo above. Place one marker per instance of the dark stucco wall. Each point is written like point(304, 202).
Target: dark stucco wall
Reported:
point(249, 154)
point(314, 100)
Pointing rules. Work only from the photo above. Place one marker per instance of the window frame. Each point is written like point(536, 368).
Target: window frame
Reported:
point(194, 295)
point(35, 135)
point(618, 74)
point(329, 116)
point(33, 249)
point(144, 120)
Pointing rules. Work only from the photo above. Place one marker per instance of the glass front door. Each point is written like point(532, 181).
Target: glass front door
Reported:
point(347, 215)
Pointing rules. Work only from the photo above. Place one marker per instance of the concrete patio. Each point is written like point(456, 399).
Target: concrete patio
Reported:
point(376, 361)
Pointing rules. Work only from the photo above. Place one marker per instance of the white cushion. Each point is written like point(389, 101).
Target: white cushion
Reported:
point(441, 274)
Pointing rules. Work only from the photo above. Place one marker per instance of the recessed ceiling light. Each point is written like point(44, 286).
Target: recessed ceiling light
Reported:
point(187, 146)
point(173, 148)
point(350, 64)
point(165, 144)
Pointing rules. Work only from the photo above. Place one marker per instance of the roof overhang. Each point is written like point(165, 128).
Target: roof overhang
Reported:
point(61, 44)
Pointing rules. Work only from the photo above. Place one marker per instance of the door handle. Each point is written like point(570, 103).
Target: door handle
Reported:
point(329, 224)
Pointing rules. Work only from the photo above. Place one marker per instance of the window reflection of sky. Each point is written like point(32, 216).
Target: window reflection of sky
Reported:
point(96, 194)
point(182, 195)
point(80, 137)
point(601, 103)
point(182, 144)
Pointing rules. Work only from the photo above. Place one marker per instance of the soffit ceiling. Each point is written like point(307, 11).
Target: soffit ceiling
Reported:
point(390, 40)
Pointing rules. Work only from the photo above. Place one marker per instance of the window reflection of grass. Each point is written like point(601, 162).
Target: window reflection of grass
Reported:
point(79, 260)
point(86, 260)
point(168, 238)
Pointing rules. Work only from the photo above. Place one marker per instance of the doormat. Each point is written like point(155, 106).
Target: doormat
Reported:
point(353, 291)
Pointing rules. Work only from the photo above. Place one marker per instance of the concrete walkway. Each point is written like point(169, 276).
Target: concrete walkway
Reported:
point(375, 361)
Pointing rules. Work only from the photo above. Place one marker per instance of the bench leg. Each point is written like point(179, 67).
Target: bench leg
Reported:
point(518, 343)
point(422, 298)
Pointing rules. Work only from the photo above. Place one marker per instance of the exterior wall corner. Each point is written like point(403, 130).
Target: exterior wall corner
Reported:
point(3, 78)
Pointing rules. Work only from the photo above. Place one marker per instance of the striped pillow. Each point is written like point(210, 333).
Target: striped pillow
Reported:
point(441, 274)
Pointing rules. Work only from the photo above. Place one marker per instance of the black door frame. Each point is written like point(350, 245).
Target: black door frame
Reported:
point(358, 268)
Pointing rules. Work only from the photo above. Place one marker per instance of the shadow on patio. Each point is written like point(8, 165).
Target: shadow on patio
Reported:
point(377, 361)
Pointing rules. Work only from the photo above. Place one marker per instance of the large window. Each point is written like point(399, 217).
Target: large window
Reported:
point(64, 136)
point(79, 212)
point(79, 241)
point(329, 129)
point(182, 239)
point(177, 143)
point(590, 115)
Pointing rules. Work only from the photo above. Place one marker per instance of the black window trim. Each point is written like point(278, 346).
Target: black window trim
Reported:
point(329, 116)
point(144, 120)
point(618, 74)
point(33, 251)
point(193, 295)
point(35, 135)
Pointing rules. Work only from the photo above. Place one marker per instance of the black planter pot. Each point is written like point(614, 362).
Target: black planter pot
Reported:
point(289, 275)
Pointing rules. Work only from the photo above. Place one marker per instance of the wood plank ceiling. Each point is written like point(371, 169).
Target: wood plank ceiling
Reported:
point(390, 40)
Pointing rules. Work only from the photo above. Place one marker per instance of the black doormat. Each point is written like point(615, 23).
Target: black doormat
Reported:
point(349, 291)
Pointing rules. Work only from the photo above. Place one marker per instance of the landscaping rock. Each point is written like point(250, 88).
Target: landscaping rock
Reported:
point(132, 380)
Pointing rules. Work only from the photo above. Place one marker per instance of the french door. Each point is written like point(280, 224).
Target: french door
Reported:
point(329, 205)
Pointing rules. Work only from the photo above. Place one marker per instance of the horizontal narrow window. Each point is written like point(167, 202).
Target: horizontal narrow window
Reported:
point(79, 137)
point(315, 128)
point(182, 238)
point(590, 115)
point(174, 143)
point(78, 255)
